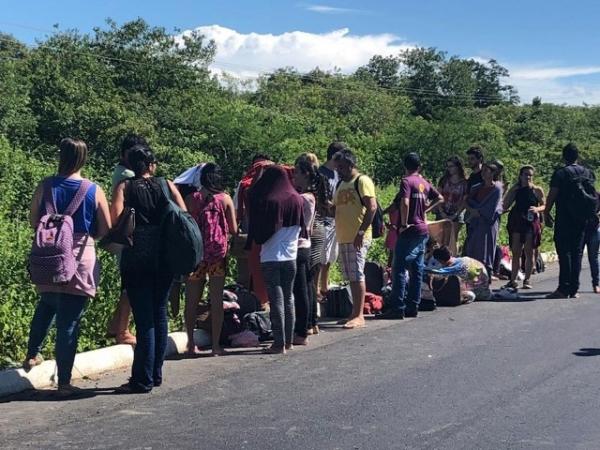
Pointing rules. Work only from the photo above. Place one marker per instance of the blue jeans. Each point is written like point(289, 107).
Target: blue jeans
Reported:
point(68, 309)
point(408, 255)
point(592, 241)
point(148, 301)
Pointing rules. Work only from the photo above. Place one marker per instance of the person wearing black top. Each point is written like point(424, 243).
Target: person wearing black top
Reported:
point(145, 276)
point(475, 163)
point(569, 230)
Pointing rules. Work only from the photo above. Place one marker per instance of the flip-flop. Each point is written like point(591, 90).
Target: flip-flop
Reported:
point(349, 326)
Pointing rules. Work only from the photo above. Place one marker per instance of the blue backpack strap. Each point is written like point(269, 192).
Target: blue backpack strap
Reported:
point(48, 196)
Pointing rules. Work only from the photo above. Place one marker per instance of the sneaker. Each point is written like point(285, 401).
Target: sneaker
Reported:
point(574, 295)
point(556, 295)
point(596, 289)
point(391, 315)
point(411, 313)
point(512, 285)
point(129, 388)
point(67, 390)
point(527, 284)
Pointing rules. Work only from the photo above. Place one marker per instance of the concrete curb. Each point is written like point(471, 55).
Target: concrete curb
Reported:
point(106, 359)
point(86, 364)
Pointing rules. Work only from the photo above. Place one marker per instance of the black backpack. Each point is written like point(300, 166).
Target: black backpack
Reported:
point(582, 201)
point(259, 322)
point(181, 238)
point(378, 224)
point(374, 277)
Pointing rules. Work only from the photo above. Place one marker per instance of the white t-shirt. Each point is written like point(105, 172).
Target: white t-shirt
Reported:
point(309, 216)
point(283, 245)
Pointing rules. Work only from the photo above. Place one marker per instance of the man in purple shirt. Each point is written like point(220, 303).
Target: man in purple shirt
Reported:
point(416, 196)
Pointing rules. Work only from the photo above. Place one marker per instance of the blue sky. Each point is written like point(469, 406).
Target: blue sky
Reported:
point(549, 46)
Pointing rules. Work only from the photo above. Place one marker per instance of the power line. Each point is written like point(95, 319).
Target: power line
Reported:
point(422, 92)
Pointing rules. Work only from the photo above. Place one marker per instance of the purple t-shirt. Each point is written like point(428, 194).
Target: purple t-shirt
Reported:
point(418, 190)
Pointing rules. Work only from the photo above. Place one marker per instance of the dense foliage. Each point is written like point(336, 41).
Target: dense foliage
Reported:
point(139, 78)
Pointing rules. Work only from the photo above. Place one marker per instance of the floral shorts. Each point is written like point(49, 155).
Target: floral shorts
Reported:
point(216, 269)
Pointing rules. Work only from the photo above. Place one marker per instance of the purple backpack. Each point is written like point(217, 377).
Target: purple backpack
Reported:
point(51, 261)
point(210, 216)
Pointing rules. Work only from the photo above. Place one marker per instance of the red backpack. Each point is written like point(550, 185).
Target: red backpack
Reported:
point(210, 216)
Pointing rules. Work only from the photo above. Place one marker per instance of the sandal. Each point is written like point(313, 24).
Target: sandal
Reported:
point(354, 324)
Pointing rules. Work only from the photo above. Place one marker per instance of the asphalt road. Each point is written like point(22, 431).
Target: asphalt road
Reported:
point(488, 375)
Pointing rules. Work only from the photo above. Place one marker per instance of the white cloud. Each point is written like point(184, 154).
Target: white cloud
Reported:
point(553, 73)
point(253, 53)
point(324, 9)
point(247, 55)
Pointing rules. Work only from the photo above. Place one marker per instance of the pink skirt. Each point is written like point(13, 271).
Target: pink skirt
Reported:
point(85, 281)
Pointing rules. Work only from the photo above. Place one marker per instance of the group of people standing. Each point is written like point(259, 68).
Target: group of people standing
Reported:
point(299, 220)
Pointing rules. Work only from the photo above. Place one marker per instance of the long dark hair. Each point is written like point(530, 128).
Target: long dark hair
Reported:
point(317, 183)
point(211, 178)
point(461, 170)
point(139, 158)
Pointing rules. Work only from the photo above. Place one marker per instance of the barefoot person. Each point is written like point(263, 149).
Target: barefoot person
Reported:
point(214, 212)
point(118, 327)
point(355, 207)
point(276, 221)
point(70, 194)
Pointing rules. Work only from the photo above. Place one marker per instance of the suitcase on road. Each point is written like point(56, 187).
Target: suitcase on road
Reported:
point(339, 302)
point(447, 291)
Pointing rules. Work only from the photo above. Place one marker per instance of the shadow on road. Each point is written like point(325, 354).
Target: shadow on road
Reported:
point(588, 352)
point(51, 395)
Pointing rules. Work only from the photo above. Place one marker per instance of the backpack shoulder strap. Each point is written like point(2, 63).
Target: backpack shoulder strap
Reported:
point(357, 188)
point(78, 198)
point(164, 186)
point(48, 196)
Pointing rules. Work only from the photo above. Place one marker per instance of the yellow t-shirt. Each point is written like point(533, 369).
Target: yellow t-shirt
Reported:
point(349, 210)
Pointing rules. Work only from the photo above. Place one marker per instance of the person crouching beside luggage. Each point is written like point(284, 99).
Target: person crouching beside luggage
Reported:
point(471, 272)
point(66, 194)
point(276, 221)
point(213, 210)
point(143, 271)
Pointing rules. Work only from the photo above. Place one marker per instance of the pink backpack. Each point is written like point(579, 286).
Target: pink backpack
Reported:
point(51, 261)
point(210, 216)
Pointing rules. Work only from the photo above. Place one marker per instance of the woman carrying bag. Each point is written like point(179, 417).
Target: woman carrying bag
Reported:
point(144, 273)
